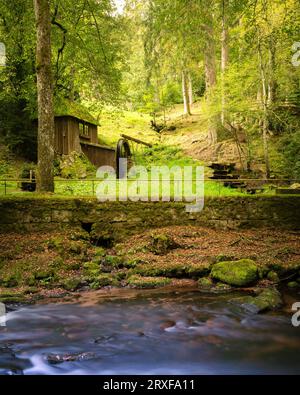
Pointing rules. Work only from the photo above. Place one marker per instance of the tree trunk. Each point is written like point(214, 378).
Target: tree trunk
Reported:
point(191, 98)
point(224, 58)
point(272, 86)
point(185, 94)
point(210, 77)
point(45, 178)
point(210, 66)
point(265, 111)
point(72, 84)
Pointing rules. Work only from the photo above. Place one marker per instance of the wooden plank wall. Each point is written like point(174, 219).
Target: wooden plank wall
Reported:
point(73, 129)
point(93, 132)
point(61, 138)
point(66, 135)
point(99, 156)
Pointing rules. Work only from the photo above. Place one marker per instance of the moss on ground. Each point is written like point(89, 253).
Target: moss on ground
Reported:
point(137, 281)
point(172, 269)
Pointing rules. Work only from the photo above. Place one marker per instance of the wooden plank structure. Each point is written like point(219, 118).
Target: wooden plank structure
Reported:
point(135, 140)
point(226, 172)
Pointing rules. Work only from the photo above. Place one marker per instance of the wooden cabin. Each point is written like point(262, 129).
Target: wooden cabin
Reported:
point(76, 134)
point(77, 130)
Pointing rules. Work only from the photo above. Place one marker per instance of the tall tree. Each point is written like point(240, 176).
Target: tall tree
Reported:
point(191, 96)
point(224, 55)
point(45, 176)
point(264, 100)
point(186, 93)
point(210, 72)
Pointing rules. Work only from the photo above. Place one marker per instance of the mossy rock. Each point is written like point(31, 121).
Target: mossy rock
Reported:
point(161, 244)
point(6, 297)
point(9, 281)
point(148, 282)
point(121, 275)
point(270, 297)
point(205, 283)
point(293, 284)
point(72, 266)
point(197, 270)
point(57, 263)
point(171, 269)
point(56, 243)
point(104, 280)
point(45, 278)
point(75, 165)
point(221, 287)
point(92, 267)
point(285, 268)
point(99, 252)
point(119, 262)
point(132, 263)
point(273, 276)
point(80, 235)
point(262, 272)
point(43, 275)
point(113, 261)
point(237, 273)
point(157, 270)
point(76, 248)
point(267, 299)
point(72, 284)
point(31, 281)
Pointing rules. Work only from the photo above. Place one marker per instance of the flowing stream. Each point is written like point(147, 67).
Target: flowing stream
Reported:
point(147, 333)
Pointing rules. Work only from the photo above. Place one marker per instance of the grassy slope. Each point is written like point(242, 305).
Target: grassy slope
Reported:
point(114, 123)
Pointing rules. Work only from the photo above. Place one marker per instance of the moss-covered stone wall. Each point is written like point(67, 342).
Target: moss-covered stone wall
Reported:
point(18, 214)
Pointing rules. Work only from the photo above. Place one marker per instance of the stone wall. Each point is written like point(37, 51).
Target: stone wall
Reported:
point(120, 219)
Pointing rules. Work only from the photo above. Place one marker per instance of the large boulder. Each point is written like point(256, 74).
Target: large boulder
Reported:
point(238, 273)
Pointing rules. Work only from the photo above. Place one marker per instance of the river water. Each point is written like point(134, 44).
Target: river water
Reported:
point(147, 333)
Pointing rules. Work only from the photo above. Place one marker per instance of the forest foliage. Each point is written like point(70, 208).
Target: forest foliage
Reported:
point(239, 57)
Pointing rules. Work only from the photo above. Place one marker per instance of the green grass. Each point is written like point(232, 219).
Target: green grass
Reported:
point(161, 155)
point(87, 188)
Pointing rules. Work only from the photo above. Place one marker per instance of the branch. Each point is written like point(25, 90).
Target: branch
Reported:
point(98, 31)
point(65, 31)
